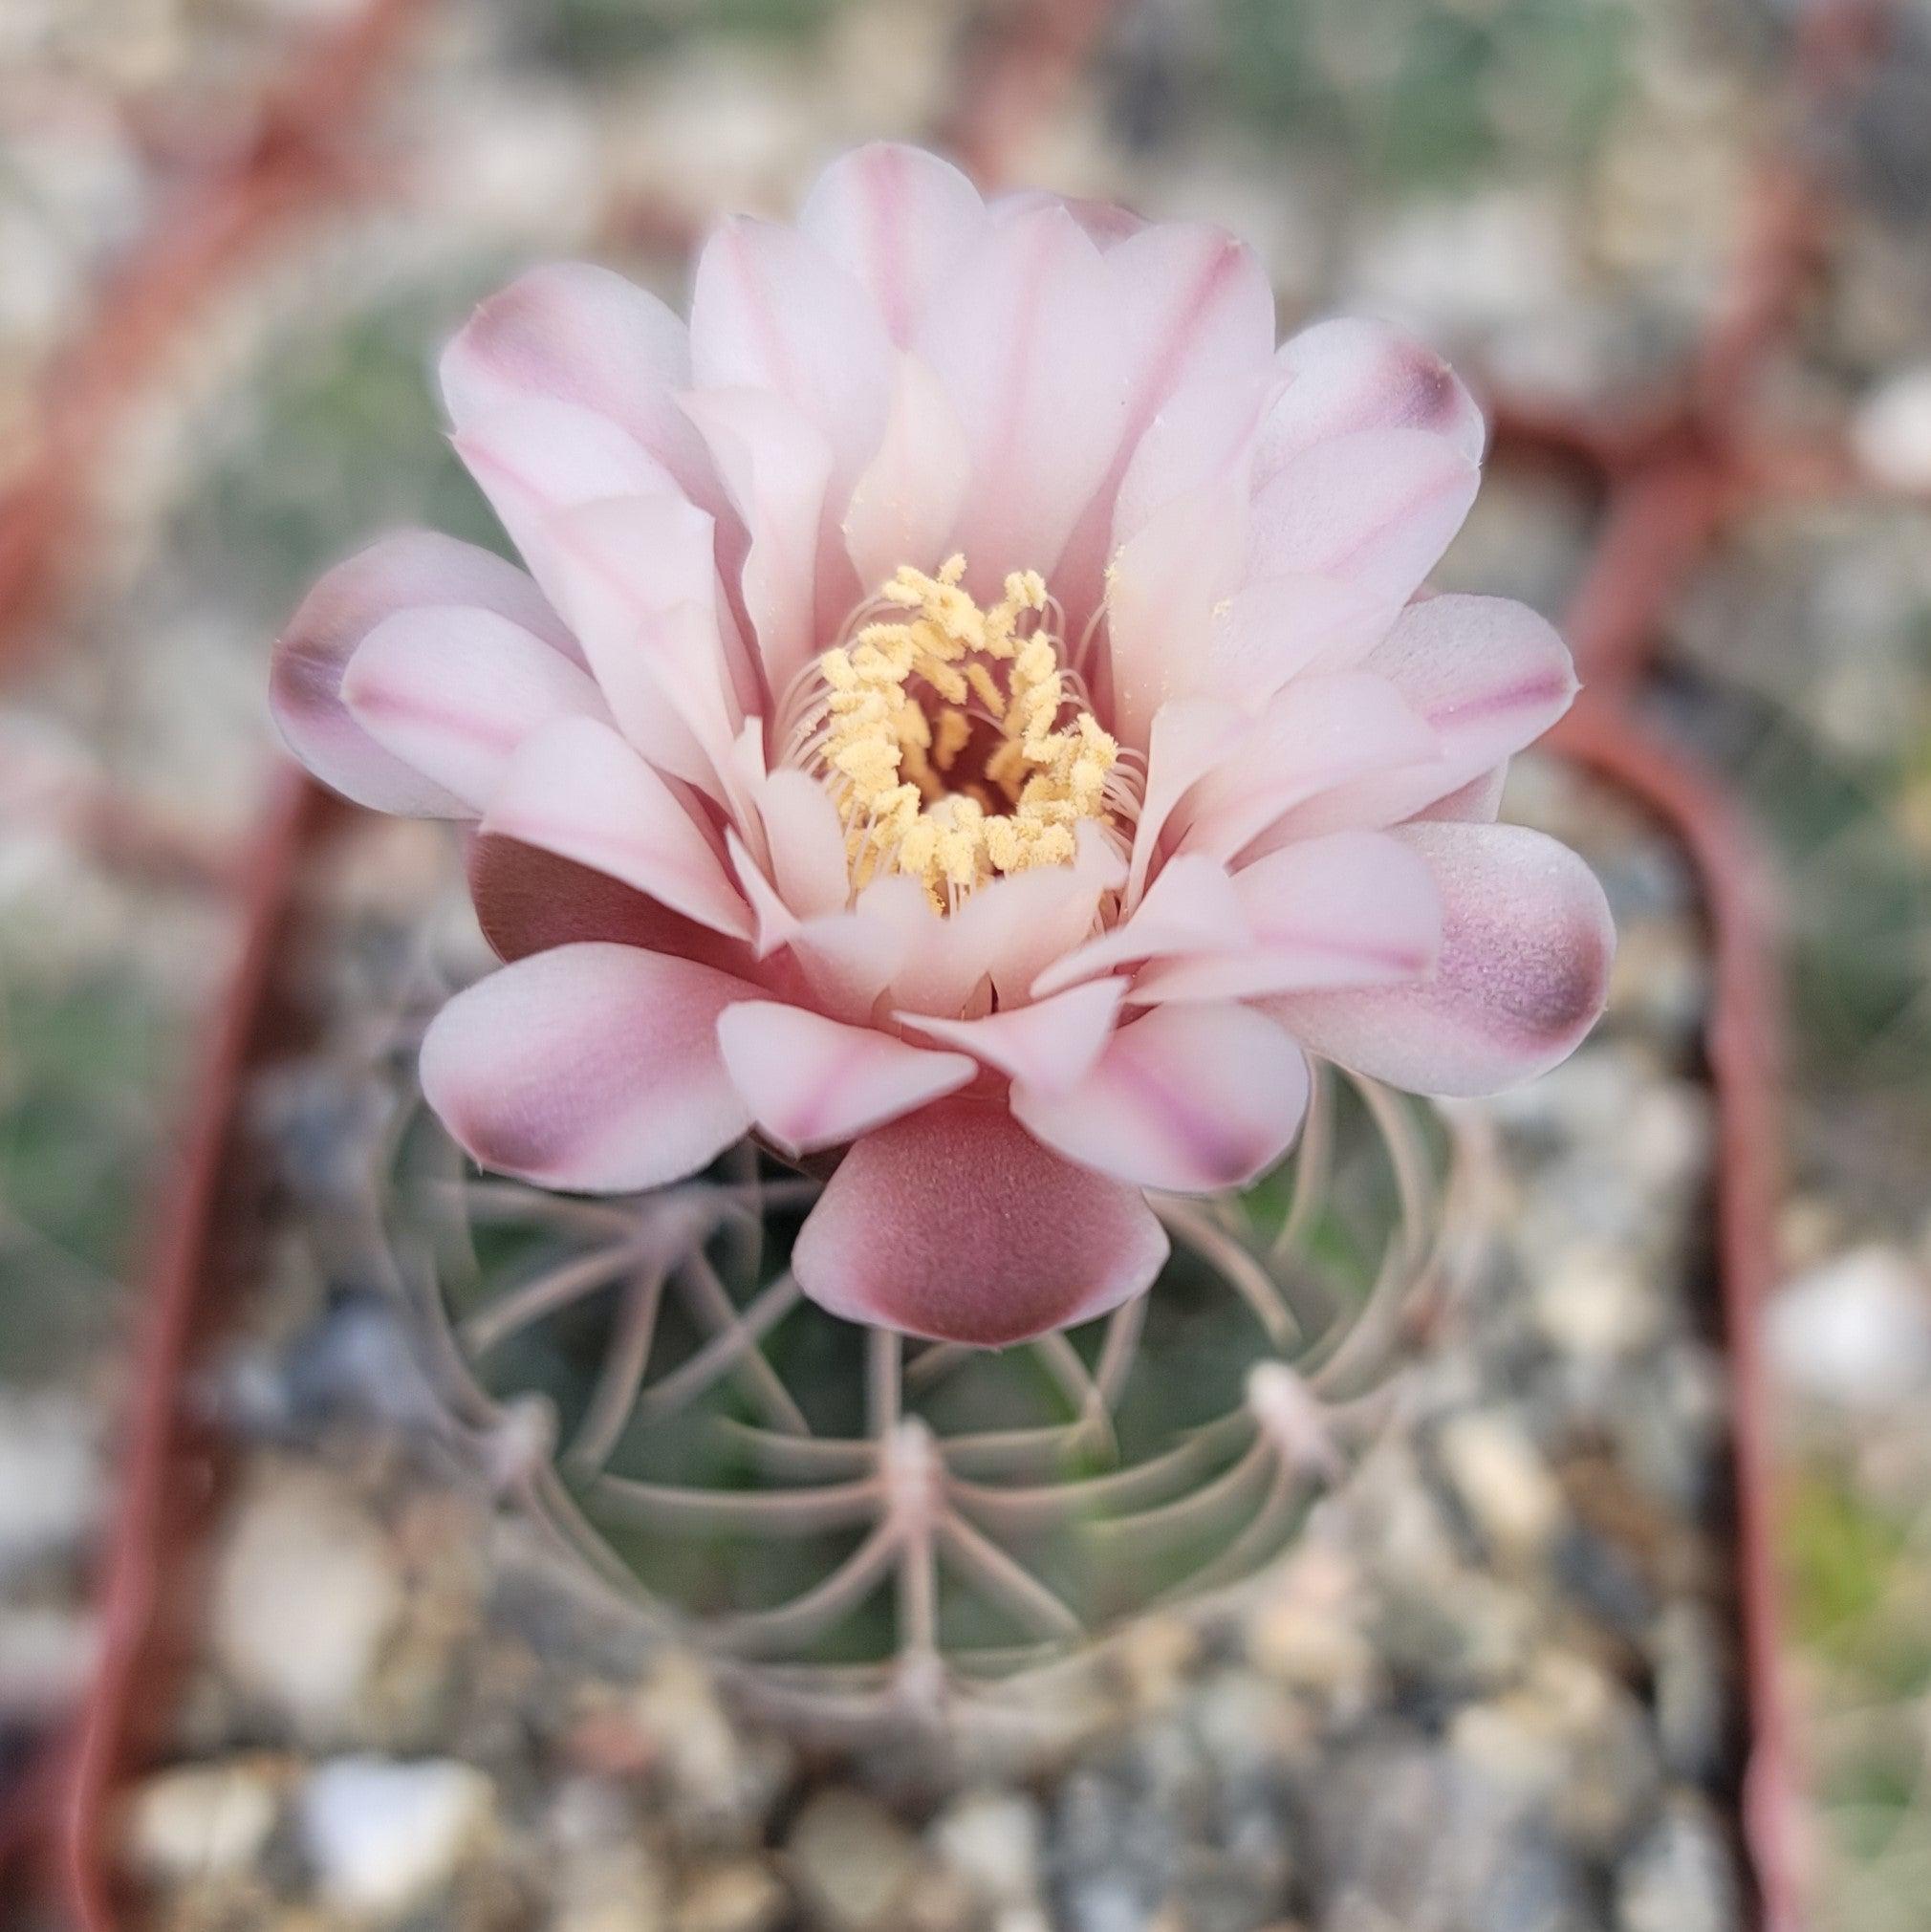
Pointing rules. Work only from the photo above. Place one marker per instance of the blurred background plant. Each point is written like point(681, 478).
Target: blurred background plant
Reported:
point(1562, 193)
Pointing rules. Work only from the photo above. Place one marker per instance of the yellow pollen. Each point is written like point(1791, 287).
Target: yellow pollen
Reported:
point(907, 696)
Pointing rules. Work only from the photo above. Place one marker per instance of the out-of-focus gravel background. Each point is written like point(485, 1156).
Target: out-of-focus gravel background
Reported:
point(1555, 191)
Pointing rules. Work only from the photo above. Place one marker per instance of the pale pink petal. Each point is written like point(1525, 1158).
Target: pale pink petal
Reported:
point(807, 843)
point(777, 466)
point(1051, 1044)
point(1488, 675)
point(1476, 803)
point(1377, 507)
point(1189, 738)
point(1189, 1099)
point(1195, 305)
point(593, 1067)
point(955, 1224)
point(895, 219)
point(577, 789)
point(1190, 907)
point(1275, 628)
point(774, 923)
point(1009, 930)
point(1204, 435)
point(1355, 908)
point(528, 901)
point(577, 333)
point(905, 506)
point(532, 457)
point(1027, 336)
point(812, 1082)
point(636, 579)
point(850, 959)
point(1104, 224)
point(1164, 587)
point(1318, 731)
point(770, 310)
point(1348, 374)
point(454, 691)
point(1523, 974)
point(404, 572)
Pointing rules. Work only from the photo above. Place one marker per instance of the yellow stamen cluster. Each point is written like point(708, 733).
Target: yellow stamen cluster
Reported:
point(904, 701)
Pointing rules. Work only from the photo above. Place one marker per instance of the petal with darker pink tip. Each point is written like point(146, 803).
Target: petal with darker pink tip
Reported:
point(1376, 509)
point(577, 789)
point(1351, 374)
point(1051, 1044)
point(955, 1224)
point(1354, 910)
point(812, 1082)
point(1486, 675)
point(593, 1067)
point(454, 691)
point(408, 571)
point(895, 219)
point(577, 333)
point(1522, 976)
point(1189, 1099)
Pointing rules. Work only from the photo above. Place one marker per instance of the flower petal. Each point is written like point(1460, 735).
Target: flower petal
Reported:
point(1195, 304)
point(593, 1067)
point(812, 1082)
point(1189, 738)
point(1189, 1099)
point(895, 219)
point(1008, 931)
point(1486, 675)
point(777, 466)
point(1353, 374)
point(1320, 730)
point(1377, 507)
point(955, 1224)
point(576, 334)
point(454, 691)
point(636, 579)
point(577, 789)
point(905, 506)
point(1164, 585)
point(404, 572)
point(533, 456)
point(1523, 974)
point(1027, 338)
point(528, 900)
point(1355, 908)
point(1051, 1044)
point(770, 310)
point(1275, 628)
point(807, 843)
point(1190, 907)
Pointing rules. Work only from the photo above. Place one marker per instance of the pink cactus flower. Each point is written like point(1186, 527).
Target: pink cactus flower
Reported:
point(971, 704)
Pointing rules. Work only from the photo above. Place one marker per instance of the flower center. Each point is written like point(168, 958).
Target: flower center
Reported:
point(954, 743)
